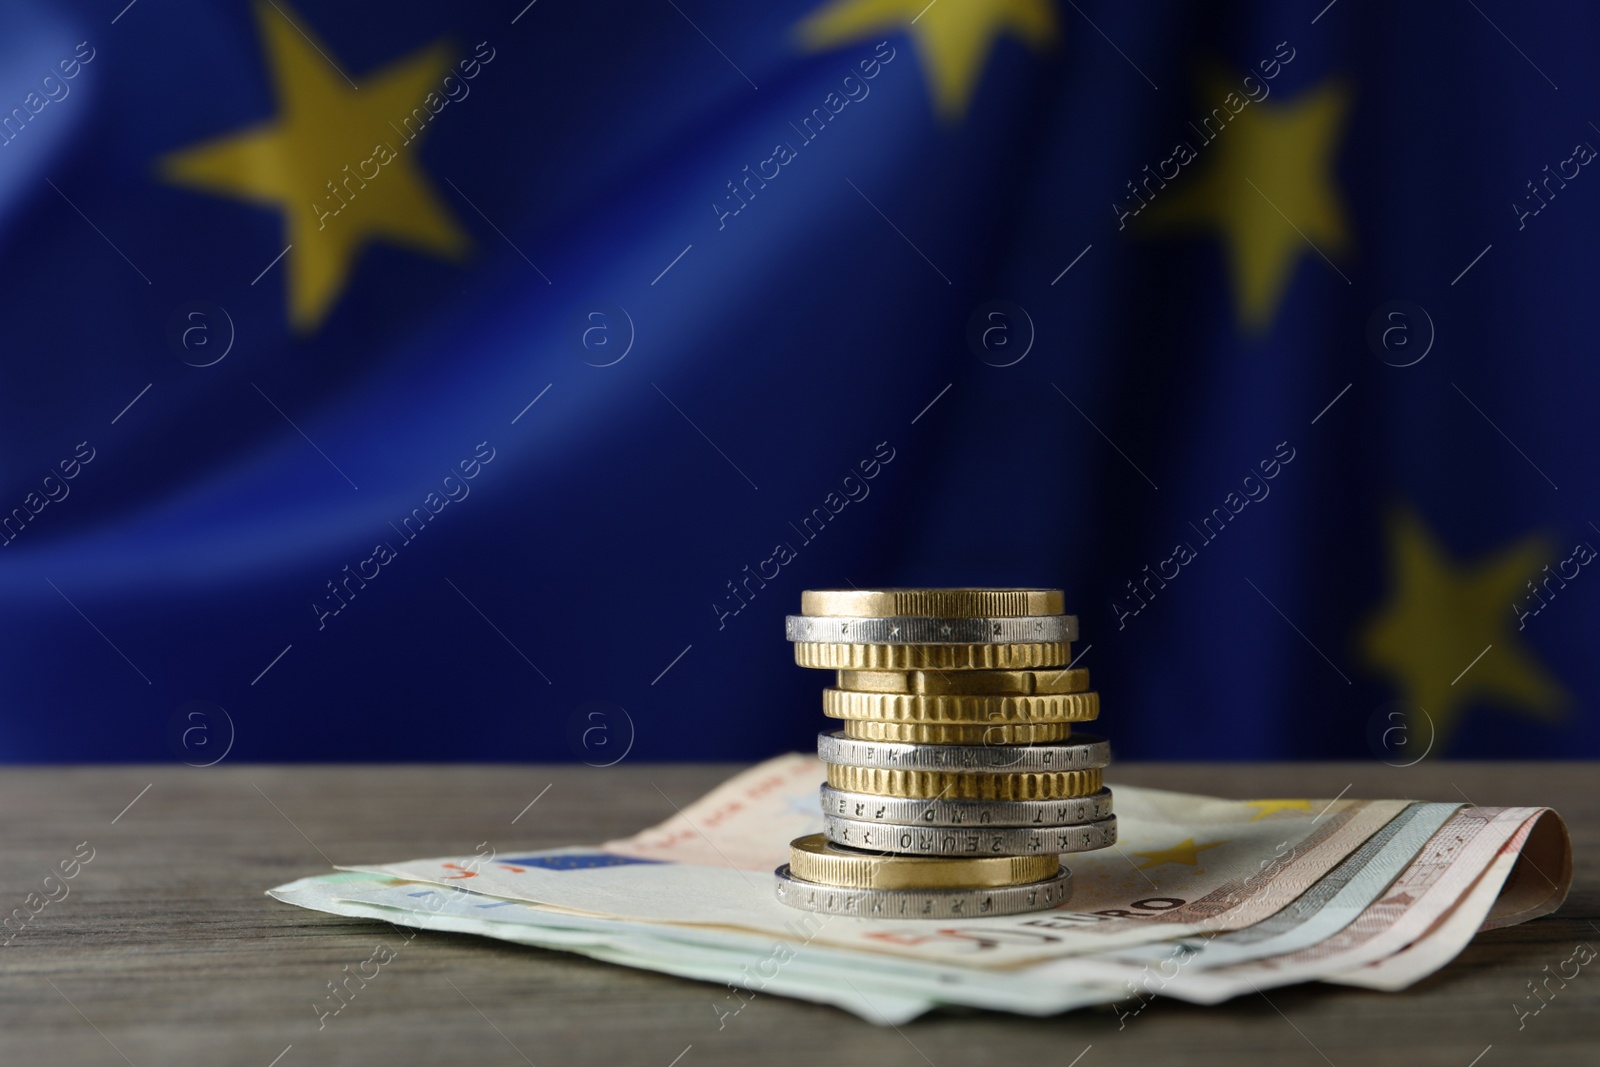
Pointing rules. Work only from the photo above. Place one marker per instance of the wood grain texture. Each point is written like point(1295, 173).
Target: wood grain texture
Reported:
point(166, 951)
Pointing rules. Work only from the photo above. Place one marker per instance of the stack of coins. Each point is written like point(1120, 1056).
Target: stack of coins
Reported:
point(957, 780)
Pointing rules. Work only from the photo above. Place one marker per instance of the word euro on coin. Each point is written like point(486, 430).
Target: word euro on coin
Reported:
point(1083, 752)
point(970, 840)
point(1066, 811)
point(924, 903)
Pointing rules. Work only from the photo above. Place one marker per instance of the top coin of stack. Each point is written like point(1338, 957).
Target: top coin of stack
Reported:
point(958, 742)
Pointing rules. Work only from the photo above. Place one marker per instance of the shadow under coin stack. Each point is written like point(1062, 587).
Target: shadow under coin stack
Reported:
point(957, 780)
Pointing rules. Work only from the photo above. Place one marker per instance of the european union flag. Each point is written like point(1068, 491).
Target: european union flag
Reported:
point(485, 381)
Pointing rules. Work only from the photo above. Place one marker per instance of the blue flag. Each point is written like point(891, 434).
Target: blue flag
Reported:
point(485, 381)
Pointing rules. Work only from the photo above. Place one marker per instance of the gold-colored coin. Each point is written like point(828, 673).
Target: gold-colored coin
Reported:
point(934, 603)
point(985, 683)
point(961, 785)
point(912, 707)
point(816, 859)
point(831, 656)
point(958, 733)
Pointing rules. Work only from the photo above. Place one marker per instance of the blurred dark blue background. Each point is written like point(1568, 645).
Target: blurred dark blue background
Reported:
point(1256, 296)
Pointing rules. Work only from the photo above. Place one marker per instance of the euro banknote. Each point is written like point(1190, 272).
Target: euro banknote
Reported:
point(1183, 865)
point(1202, 898)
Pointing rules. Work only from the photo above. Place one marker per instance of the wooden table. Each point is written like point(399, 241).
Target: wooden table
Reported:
point(166, 952)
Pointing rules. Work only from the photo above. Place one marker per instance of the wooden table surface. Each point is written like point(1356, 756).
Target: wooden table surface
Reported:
point(166, 951)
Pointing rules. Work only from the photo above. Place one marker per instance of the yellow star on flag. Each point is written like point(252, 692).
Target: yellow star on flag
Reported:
point(1186, 852)
point(1272, 807)
point(953, 37)
point(333, 161)
point(1268, 189)
point(1445, 636)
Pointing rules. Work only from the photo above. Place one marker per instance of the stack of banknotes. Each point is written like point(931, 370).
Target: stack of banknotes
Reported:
point(1201, 899)
point(959, 779)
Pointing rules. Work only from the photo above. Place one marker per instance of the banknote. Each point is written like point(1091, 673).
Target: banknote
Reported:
point(1528, 878)
point(748, 962)
point(1541, 876)
point(898, 989)
point(1430, 886)
point(877, 988)
point(1183, 865)
point(1327, 907)
point(1202, 898)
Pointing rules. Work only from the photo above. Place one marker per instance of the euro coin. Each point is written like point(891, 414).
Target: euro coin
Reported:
point(1049, 893)
point(1065, 811)
point(922, 630)
point(973, 657)
point(965, 683)
point(814, 858)
point(961, 785)
point(914, 707)
point(958, 733)
point(939, 603)
point(1082, 752)
point(970, 840)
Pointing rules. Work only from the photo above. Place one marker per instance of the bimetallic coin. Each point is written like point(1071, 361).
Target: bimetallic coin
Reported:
point(938, 603)
point(814, 858)
point(1081, 753)
point(912, 707)
point(975, 683)
point(958, 733)
point(923, 903)
point(970, 840)
point(830, 656)
point(961, 785)
point(921, 630)
point(1066, 811)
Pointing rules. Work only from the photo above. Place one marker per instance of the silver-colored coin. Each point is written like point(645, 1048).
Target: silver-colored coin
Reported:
point(913, 630)
point(969, 840)
point(923, 903)
point(865, 807)
point(1081, 752)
